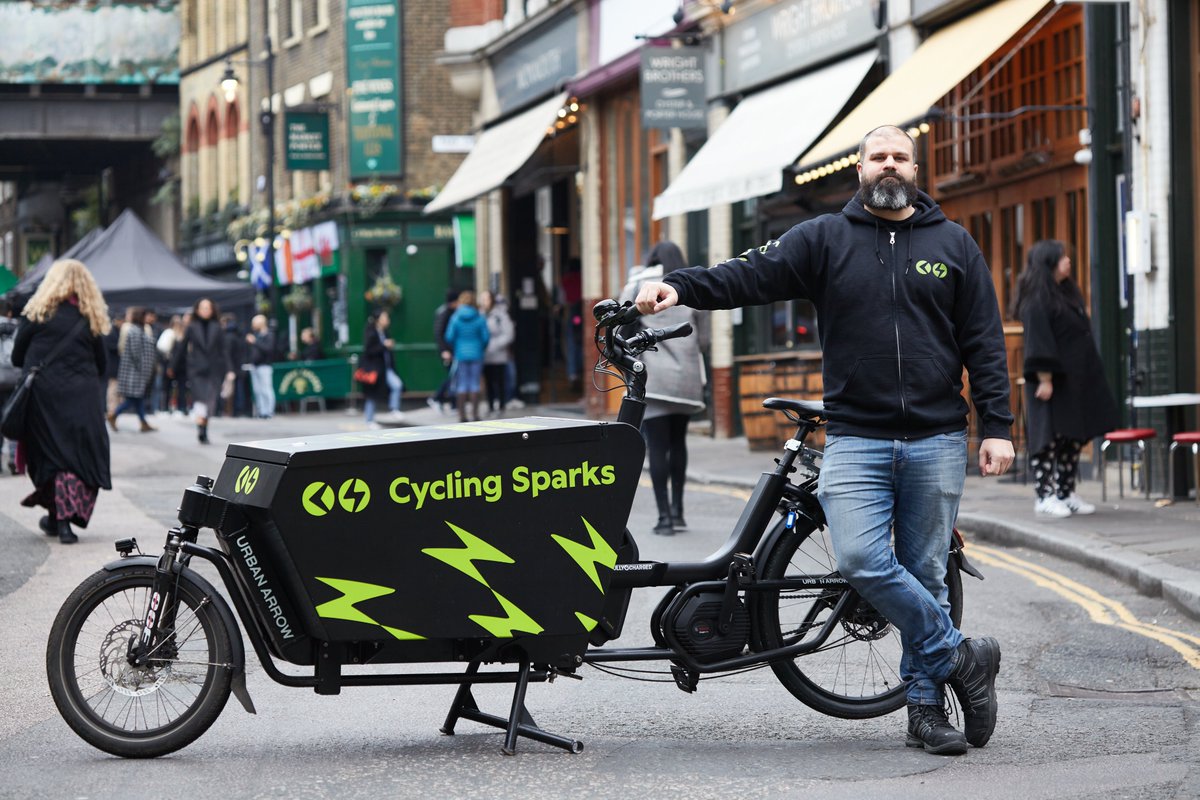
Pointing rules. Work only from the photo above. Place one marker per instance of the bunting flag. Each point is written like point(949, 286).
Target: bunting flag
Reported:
point(305, 264)
point(283, 260)
point(260, 276)
point(325, 241)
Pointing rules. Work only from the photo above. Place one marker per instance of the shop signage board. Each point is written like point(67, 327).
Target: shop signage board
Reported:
point(307, 140)
point(373, 62)
point(673, 87)
point(791, 36)
point(535, 66)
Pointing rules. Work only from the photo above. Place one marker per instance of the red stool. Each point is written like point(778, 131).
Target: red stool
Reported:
point(1130, 436)
point(1190, 439)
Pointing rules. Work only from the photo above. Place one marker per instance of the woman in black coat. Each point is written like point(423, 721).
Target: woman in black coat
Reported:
point(66, 445)
point(1067, 398)
point(204, 357)
point(377, 358)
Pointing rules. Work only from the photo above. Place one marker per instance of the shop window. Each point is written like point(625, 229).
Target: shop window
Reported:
point(1047, 71)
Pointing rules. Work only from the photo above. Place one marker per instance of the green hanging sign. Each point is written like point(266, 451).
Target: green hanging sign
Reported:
point(373, 59)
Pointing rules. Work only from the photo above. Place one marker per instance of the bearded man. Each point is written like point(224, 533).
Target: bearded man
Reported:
point(904, 302)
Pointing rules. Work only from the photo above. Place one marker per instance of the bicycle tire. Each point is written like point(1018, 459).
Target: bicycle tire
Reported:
point(137, 712)
point(856, 674)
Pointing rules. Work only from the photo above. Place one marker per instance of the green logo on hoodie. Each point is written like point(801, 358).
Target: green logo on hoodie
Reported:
point(925, 267)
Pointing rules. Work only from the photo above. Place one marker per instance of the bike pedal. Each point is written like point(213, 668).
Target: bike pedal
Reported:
point(684, 679)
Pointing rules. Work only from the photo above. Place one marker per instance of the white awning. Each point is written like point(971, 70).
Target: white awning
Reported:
point(498, 153)
point(937, 66)
point(745, 157)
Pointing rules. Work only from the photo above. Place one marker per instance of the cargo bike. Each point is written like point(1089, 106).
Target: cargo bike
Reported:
point(499, 544)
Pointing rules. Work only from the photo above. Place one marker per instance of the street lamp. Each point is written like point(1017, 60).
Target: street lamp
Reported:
point(266, 120)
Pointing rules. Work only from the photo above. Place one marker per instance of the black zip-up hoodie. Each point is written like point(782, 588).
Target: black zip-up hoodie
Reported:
point(902, 307)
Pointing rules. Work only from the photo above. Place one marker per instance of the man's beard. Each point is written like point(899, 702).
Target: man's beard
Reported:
point(889, 195)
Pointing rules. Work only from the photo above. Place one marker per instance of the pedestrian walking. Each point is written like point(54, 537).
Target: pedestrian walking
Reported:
point(674, 390)
point(904, 301)
point(65, 445)
point(203, 356)
point(137, 368)
point(9, 375)
point(499, 349)
point(467, 333)
point(1067, 399)
point(377, 371)
point(441, 318)
point(260, 344)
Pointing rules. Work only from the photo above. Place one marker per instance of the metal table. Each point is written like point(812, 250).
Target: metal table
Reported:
point(1175, 404)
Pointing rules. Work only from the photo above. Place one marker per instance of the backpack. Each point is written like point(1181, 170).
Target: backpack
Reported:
point(9, 375)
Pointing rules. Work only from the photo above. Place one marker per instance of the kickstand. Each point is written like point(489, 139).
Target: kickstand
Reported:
point(519, 722)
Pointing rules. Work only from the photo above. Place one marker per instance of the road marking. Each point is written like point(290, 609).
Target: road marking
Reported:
point(1100, 609)
point(727, 491)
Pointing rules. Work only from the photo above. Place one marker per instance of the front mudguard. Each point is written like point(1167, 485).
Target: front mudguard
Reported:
point(237, 649)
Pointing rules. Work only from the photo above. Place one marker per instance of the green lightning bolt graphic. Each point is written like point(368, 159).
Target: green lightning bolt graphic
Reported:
point(463, 558)
point(514, 620)
point(587, 622)
point(354, 592)
point(588, 557)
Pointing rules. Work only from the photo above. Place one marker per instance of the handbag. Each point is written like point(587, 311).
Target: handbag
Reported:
point(16, 408)
point(367, 376)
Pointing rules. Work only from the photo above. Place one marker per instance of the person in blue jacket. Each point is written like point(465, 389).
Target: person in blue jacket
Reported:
point(467, 333)
point(904, 302)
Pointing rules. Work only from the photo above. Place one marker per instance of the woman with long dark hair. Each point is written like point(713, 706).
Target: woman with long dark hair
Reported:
point(203, 356)
point(1067, 398)
point(65, 444)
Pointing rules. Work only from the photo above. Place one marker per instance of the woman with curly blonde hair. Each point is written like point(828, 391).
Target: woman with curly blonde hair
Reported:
point(65, 444)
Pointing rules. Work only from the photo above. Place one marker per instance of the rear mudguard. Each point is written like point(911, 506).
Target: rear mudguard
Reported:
point(237, 650)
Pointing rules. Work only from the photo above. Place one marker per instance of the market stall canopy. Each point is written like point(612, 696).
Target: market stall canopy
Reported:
point(937, 66)
point(499, 151)
point(133, 267)
point(747, 154)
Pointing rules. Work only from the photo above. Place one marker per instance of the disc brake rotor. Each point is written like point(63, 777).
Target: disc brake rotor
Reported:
point(865, 623)
point(125, 678)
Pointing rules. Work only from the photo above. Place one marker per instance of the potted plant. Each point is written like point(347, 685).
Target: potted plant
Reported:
point(384, 293)
point(298, 300)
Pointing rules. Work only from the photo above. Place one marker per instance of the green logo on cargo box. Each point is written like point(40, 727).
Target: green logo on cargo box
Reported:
point(247, 479)
point(319, 497)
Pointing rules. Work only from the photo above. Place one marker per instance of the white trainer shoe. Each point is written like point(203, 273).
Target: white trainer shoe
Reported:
point(1052, 507)
point(1078, 505)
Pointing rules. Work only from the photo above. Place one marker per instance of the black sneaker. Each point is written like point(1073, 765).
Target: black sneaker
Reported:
point(973, 680)
point(929, 727)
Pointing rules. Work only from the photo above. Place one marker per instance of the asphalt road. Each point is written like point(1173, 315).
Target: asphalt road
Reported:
point(1098, 691)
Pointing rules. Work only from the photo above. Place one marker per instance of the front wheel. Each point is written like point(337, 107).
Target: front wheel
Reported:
point(130, 710)
point(856, 673)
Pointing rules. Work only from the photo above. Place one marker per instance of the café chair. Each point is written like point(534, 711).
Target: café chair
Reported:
point(1126, 436)
point(1191, 440)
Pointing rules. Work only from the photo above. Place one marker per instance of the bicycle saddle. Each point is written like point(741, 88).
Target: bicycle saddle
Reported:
point(807, 409)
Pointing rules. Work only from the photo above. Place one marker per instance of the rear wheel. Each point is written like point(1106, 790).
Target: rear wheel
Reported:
point(856, 673)
point(130, 710)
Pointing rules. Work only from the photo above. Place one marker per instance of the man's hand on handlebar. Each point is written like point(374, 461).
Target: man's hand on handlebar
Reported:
point(655, 296)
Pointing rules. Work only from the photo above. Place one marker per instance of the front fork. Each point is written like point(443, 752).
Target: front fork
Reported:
point(157, 638)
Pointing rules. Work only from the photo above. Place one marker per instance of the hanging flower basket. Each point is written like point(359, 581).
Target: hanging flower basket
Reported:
point(298, 300)
point(384, 293)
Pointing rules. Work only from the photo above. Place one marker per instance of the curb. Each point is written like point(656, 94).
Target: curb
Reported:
point(1149, 575)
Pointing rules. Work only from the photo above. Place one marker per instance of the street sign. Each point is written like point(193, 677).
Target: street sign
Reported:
point(307, 138)
point(373, 58)
point(673, 87)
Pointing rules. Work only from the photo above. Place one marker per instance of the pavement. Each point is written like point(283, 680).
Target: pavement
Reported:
point(1149, 544)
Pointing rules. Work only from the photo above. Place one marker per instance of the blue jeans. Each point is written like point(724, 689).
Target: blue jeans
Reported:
point(395, 385)
point(871, 489)
point(262, 381)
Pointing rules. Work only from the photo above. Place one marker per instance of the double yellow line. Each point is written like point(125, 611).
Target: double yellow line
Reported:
point(1101, 609)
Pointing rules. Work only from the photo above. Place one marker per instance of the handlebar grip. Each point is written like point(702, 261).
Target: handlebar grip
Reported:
point(675, 331)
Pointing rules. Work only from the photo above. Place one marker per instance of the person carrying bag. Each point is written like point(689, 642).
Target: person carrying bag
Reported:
point(16, 409)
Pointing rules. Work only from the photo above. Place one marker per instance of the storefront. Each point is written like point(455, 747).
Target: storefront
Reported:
point(521, 173)
point(1004, 170)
